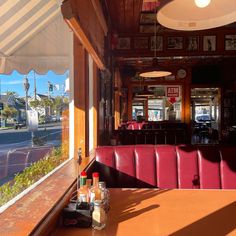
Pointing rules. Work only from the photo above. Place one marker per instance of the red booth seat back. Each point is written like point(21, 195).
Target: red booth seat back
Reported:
point(170, 166)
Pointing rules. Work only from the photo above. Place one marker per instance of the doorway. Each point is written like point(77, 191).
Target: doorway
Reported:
point(205, 117)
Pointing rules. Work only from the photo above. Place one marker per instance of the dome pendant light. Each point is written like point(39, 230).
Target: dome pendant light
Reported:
point(155, 70)
point(193, 15)
point(202, 3)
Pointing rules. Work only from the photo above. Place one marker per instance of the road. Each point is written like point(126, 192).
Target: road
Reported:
point(11, 138)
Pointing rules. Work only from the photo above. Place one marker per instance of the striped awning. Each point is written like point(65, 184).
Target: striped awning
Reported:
point(33, 36)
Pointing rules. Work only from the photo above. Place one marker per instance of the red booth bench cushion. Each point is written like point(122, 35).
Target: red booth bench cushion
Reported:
point(167, 166)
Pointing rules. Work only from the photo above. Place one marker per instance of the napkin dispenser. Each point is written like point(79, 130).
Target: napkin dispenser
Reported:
point(77, 214)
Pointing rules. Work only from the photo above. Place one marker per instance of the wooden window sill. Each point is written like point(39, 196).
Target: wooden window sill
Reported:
point(42, 205)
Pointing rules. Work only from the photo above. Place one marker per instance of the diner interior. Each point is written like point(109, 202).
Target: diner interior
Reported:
point(152, 86)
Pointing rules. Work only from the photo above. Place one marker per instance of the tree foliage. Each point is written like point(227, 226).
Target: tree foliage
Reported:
point(59, 104)
point(46, 102)
point(9, 112)
point(35, 103)
point(15, 94)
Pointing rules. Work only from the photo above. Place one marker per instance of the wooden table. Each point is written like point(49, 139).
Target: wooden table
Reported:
point(153, 212)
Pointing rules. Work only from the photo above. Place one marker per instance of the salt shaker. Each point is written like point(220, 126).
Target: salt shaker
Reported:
point(99, 215)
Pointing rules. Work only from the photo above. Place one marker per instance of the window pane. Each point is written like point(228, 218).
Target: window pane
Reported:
point(34, 128)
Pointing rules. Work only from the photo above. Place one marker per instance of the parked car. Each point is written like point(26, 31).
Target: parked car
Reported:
point(202, 123)
point(53, 118)
point(203, 118)
point(19, 124)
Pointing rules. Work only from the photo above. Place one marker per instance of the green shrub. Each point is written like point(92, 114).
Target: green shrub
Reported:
point(31, 174)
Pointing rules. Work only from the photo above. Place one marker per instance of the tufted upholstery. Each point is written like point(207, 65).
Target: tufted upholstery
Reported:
point(167, 166)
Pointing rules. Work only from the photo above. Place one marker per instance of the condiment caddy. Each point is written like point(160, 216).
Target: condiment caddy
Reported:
point(90, 206)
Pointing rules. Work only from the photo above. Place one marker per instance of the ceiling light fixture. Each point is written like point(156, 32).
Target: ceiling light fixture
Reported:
point(202, 3)
point(192, 15)
point(155, 70)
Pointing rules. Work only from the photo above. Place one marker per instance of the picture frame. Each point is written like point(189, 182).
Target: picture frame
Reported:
point(209, 43)
point(148, 29)
point(141, 43)
point(159, 43)
point(147, 18)
point(192, 43)
point(175, 43)
point(123, 43)
point(230, 42)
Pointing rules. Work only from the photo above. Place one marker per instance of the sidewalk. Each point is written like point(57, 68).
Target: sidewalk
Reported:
point(4, 128)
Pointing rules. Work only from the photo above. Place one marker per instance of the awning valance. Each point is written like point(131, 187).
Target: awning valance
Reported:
point(33, 36)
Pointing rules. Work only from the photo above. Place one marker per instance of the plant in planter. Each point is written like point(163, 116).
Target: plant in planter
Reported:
point(32, 174)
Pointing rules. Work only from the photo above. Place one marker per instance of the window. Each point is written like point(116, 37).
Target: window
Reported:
point(138, 111)
point(34, 125)
point(155, 110)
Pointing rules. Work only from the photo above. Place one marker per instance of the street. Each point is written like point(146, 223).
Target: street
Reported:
point(11, 138)
point(12, 141)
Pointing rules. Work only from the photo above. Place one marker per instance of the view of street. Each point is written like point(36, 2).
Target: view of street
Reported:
point(12, 140)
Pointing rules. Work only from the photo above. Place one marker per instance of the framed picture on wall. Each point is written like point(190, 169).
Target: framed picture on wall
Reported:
point(230, 42)
point(141, 43)
point(209, 43)
point(156, 43)
point(123, 43)
point(192, 43)
point(175, 42)
point(148, 29)
point(147, 18)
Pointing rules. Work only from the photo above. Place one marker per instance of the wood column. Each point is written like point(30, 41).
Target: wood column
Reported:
point(79, 97)
point(146, 109)
point(130, 98)
point(117, 97)
point(95, 104)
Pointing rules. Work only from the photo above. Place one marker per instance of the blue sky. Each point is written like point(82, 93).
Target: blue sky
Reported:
point(14, 82)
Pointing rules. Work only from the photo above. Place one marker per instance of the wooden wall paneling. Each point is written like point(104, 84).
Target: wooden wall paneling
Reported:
point(125, 14)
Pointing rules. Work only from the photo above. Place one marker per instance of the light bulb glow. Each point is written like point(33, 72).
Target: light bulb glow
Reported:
point(202, 3)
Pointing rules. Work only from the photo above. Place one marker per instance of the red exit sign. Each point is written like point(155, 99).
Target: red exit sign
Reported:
point(173, 91)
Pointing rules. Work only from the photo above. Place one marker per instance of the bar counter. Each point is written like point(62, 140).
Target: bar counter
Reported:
point(154, 212)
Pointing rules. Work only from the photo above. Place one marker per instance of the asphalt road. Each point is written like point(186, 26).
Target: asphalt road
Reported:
point(11, 138)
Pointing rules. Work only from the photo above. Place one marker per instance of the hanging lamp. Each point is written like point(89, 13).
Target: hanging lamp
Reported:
point(192, 15)
point(155, 70)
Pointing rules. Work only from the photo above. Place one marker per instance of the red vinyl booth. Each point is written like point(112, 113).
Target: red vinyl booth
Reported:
point(167, 166)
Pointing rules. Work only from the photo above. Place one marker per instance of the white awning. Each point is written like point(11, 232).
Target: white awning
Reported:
point(33, 36)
